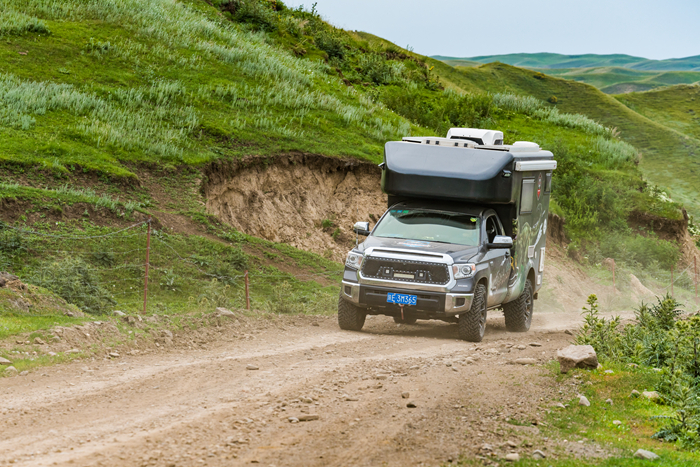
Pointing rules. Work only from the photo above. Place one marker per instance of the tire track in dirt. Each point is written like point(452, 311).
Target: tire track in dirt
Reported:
point(205, 408)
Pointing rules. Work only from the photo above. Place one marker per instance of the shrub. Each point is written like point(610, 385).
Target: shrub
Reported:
point(105, 259)
point(74, 281)
point(16, 23)
point(331, 42)
point(12, 242)
point(552, 99)
point(259, 14)
point(661, 339)
point(215, 294)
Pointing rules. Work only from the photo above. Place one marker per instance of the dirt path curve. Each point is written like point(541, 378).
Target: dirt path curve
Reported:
point(204, 407)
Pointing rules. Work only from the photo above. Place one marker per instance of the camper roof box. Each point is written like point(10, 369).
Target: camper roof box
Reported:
point(482, 137)
point(437, 168)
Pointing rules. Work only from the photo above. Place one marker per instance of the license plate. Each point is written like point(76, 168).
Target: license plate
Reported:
point(402, 299)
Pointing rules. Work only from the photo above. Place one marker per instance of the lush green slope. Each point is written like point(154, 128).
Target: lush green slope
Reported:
point(103, 83)
point(616, 80)
point(676, 107)
point(669, 158)
point(550, 60)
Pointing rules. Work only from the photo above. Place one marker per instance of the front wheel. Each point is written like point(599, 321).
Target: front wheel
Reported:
point(405, 320)
point(518, 313)
point(350, 316)
point(472, 324)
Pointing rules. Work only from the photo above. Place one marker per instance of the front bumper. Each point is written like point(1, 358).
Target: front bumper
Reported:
point(429, 303)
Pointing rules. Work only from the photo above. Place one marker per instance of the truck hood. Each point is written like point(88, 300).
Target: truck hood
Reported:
point(459, 253)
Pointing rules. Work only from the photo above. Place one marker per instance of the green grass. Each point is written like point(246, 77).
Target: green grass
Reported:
point(12, 324)
point(676, 107)
point(594, 423)
point(616, 80)
point(115, 82)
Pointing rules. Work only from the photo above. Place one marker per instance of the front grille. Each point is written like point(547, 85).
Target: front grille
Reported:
point(405, 270)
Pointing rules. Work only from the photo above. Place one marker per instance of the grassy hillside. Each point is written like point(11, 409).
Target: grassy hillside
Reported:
point(114, 112)
point(613, 74)
point(676, 107)
point(616, 80)
point(669, 158)
point(550, 60)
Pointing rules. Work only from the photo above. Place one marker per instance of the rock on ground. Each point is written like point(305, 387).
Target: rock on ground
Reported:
point(4, 361)
point(225, 313)
point(583, 400)
point(577, 356)
point(11, 371)
point(647, 455)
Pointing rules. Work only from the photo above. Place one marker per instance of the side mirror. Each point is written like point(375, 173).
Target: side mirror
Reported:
point(501, 241)
point(361, 228)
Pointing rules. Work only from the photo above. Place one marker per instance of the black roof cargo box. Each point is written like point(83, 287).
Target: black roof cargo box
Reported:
point(485, 174)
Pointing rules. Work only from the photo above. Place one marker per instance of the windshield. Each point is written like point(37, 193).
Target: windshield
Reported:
point(431, 226)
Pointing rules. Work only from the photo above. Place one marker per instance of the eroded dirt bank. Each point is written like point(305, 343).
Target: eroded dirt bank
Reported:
point(308, 201)
point(203, 407)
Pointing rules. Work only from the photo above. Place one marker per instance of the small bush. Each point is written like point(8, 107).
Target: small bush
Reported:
point(74, 281)
point(284, 300)
point(332, 43)
point(552, 99)
point(215, 294)
point(660, 339)
point(12, 242)
point(105, 259)
point(260, 15)
point(16, 23)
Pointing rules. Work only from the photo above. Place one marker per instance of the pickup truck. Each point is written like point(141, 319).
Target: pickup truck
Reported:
point(456, 241)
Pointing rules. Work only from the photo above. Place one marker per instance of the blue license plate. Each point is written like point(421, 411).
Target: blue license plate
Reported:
point(402, 299)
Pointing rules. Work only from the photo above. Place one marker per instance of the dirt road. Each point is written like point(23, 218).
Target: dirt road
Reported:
point(186, 407)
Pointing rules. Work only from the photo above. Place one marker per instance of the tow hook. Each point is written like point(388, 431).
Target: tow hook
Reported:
point(401, 306)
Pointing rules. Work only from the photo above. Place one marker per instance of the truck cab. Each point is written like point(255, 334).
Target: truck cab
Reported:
point(455, 241)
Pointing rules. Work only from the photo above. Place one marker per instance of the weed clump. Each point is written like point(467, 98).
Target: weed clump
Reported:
point(661, 339)
point(76, 282)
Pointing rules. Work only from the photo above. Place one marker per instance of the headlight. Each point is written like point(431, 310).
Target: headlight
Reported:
point(354, 260)
point(462, 271)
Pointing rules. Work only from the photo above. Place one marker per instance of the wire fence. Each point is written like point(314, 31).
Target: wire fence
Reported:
point(117, 268)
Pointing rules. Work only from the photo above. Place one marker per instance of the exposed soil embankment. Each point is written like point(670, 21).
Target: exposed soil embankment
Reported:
point(308, 201)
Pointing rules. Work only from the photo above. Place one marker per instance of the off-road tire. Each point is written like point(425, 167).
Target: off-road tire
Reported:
point(405, 320)
point(472, 324)
point(350, 317)
point(518, 313)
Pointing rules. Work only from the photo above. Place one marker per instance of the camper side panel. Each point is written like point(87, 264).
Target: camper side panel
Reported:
point(532, 191)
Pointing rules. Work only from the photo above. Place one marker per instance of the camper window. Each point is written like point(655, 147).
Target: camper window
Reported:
point(527, 196)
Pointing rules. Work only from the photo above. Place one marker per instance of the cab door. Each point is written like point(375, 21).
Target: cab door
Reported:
point(499, 262)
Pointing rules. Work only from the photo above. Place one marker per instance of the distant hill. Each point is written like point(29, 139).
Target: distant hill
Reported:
point(557, 61)
point(676, 107)
point(670, 158)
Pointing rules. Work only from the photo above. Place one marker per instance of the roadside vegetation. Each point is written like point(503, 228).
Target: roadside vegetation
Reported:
point(99, 89)
point(664, 340)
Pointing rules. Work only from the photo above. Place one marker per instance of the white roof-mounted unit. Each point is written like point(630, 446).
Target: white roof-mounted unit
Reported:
point(482, 137)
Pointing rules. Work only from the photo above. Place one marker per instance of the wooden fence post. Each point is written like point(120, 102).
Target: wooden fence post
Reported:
point(148, 251)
